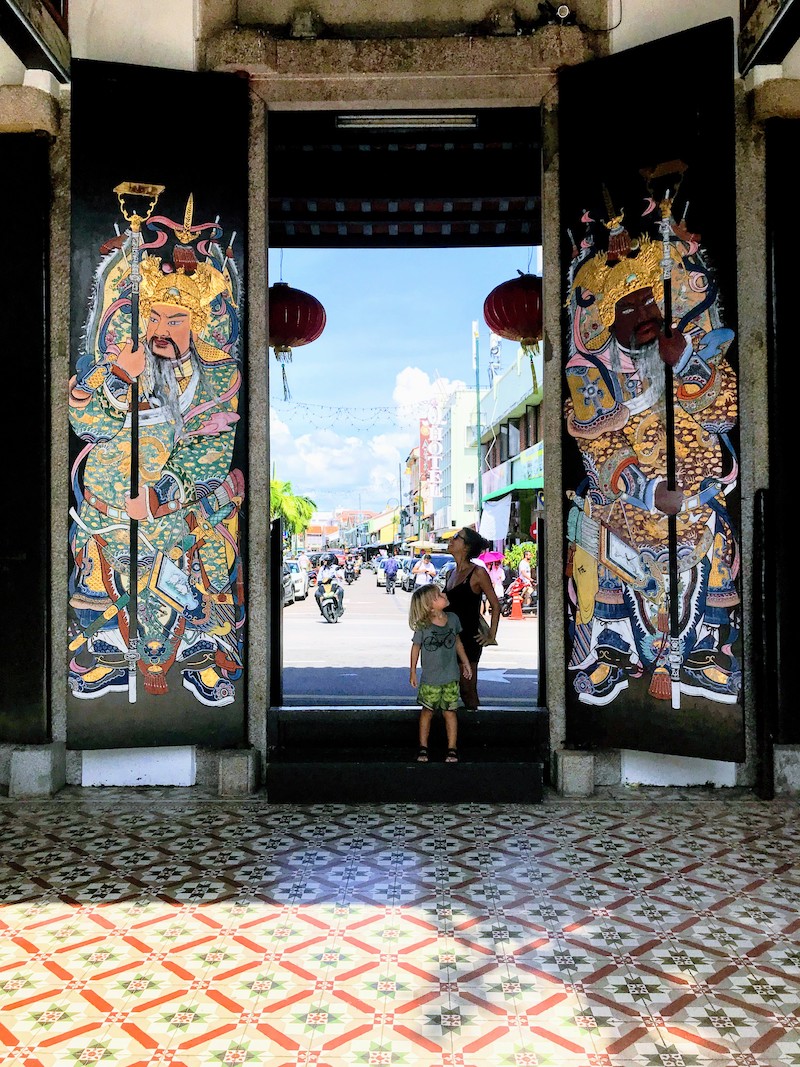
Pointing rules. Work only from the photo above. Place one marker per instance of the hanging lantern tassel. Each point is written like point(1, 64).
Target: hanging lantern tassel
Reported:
point(527, 348)
point(295, 318)
point(284, 356)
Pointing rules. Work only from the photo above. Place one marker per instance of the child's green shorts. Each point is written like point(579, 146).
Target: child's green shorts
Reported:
point(439, 697)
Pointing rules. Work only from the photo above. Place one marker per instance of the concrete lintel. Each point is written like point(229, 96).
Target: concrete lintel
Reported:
point(375, 71)
point(575, 773)
point(37, 770)
point(26, 109)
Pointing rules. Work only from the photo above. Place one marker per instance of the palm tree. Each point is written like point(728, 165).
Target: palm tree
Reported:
point(294, 511)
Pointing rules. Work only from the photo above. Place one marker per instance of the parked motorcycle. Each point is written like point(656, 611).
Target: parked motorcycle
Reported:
point(329, 605)
point(515, 589)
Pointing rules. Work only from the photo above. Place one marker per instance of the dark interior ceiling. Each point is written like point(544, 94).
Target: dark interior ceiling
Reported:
point(407, 180)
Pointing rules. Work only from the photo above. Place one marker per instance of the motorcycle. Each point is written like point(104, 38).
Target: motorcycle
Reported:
point(329, 605)
point(515, 589)
point(349, 573)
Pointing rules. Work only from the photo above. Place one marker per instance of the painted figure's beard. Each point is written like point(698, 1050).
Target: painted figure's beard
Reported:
point(649, 365)
point(162, 387)
point(647, 361)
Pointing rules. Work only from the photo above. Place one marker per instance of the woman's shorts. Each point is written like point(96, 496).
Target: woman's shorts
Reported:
point(439, 697)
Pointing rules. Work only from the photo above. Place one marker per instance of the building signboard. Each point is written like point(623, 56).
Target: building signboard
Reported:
point(496, 478)
point(529, 464)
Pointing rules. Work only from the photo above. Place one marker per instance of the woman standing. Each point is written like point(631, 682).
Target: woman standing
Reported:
point(467, 585)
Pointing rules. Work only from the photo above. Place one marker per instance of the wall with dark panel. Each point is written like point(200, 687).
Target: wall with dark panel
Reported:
point(157, 387)
point(25, 441)
point(651, 469)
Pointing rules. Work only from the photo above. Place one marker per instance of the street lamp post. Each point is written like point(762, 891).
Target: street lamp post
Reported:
point(395, 516)
point(476, 365)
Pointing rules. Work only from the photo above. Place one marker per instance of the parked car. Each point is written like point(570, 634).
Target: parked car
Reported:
point(288, 585)
point(442, 573)
point(300, 579)
point(438, 559)
point(380, 577)
point(405, 579)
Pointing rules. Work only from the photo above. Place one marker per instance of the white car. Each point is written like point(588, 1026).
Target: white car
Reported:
point(299, 579)
point(380, 577)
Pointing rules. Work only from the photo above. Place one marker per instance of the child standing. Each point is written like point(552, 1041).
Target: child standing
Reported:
point(436, 636)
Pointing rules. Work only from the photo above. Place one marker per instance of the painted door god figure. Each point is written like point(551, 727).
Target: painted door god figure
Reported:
point(182, 356)
point(649, 404)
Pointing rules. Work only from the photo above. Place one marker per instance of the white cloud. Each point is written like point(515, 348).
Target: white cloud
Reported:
point(340, 470)
point(414, 391)
point(348, 470)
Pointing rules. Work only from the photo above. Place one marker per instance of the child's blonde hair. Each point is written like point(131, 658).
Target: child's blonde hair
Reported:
point(419, 611)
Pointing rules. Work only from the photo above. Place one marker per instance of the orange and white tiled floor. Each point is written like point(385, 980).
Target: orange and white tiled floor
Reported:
point(164, 927)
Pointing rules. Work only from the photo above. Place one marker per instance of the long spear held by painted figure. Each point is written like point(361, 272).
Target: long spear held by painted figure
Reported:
point(150, 192)
point(670, 172)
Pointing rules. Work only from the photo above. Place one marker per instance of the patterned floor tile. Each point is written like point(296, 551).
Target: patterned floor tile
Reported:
point(602, 933)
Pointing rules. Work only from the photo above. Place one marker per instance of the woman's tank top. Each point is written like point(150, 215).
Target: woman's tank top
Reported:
point(466, 604)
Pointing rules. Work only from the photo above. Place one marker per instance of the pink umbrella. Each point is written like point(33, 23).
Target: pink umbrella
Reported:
point(491, 557)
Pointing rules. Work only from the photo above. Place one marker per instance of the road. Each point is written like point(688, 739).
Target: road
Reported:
point(363, 659)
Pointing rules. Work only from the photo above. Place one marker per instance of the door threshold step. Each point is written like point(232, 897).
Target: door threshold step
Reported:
point(380, 709)
point(392, 755)
point(309, 782)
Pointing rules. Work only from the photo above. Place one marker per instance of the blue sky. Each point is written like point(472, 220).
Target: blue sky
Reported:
point(398, 332)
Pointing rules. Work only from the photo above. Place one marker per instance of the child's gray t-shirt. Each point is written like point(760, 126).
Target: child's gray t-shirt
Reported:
point(438, 656)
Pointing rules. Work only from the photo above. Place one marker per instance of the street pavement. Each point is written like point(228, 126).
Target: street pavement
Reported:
point(363, 659)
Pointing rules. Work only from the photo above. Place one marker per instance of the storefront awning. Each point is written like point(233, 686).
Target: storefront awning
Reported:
point(525, 483)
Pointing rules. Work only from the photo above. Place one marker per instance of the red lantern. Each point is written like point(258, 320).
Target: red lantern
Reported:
point(295, 318)
point(513, 310)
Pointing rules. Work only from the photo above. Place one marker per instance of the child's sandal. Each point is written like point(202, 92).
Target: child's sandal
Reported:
point(422, 755)
point(452, 756)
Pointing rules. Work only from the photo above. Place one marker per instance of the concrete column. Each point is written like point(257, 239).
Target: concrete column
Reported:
point(37, 770)
point(575, 773)
point(786, 770)
point(238, 772)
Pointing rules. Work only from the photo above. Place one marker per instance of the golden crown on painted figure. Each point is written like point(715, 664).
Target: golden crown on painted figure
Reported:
point(193, 292)
point(609, 283)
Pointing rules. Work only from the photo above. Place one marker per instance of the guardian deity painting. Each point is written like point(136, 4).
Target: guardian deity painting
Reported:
point(156, 593)
point(653, 562)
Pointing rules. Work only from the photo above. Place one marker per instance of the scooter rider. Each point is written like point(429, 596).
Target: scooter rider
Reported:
point(330, 571)
point(526, 575)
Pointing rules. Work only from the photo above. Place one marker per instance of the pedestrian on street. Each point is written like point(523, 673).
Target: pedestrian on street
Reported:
point(390, 569)
point(424, 571)
point(526, 574)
